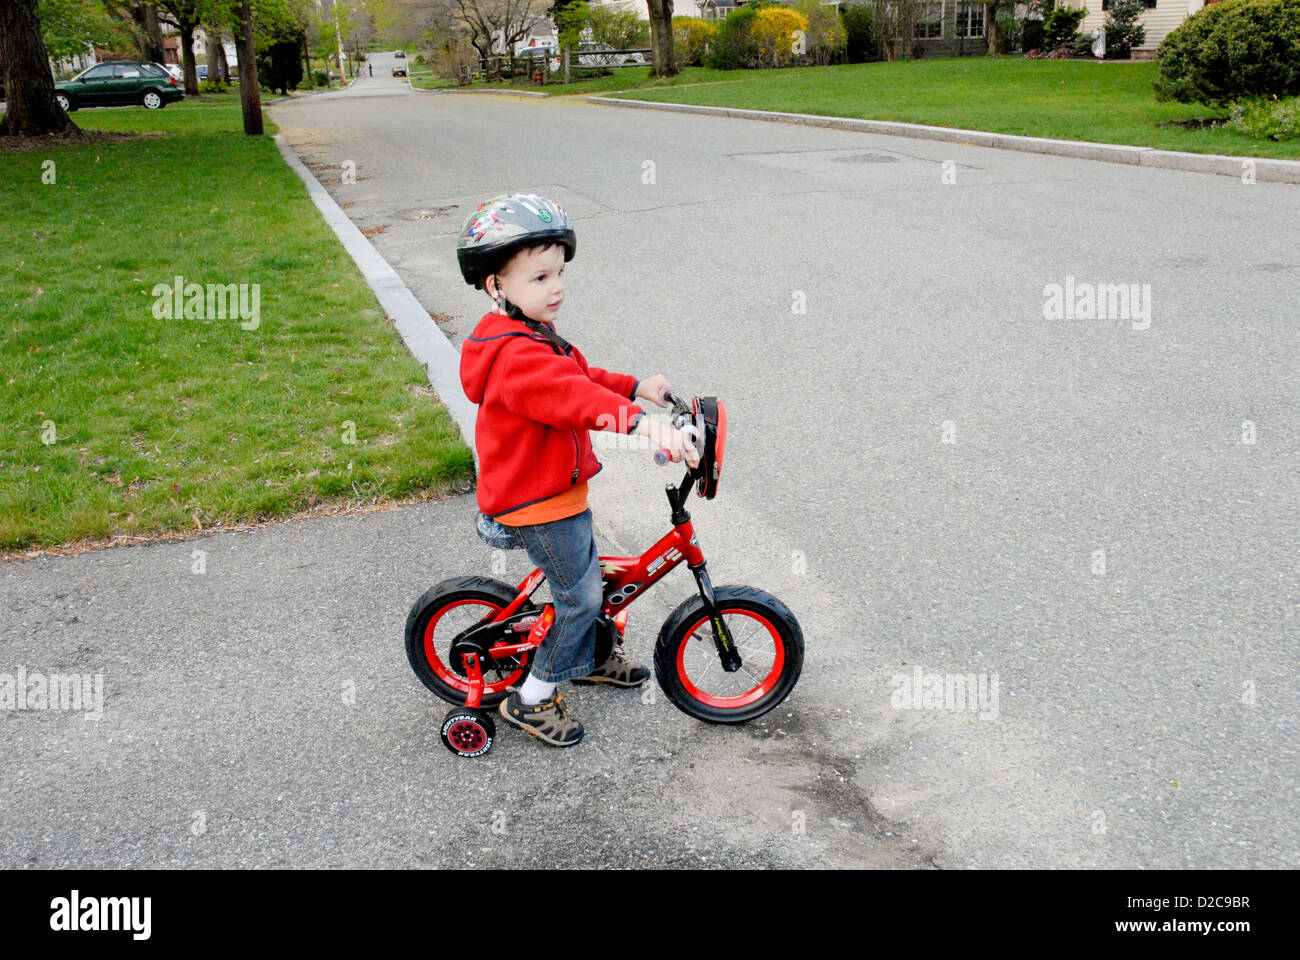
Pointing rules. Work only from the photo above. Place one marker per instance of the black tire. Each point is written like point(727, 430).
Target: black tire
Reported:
point(66, 102)
point(681, 662)
point(152, 100)
point(468, 732)
point(433, 606)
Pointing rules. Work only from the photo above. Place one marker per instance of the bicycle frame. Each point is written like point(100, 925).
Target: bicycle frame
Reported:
point(624, 579)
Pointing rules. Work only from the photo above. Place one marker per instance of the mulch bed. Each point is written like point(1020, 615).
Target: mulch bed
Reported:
point(78, 138)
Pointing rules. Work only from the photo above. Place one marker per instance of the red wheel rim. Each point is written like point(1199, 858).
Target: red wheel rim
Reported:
point(442, 669)
point(467, 736)
point(700, 638)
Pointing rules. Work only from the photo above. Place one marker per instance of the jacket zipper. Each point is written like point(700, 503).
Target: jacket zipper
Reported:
point(577, 458)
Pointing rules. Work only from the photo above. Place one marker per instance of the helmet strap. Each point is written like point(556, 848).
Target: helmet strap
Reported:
point(504, 306)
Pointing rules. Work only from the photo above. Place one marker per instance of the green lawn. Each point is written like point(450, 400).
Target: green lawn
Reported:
point(1106, 102)
point(624, 78)
point(158, 424)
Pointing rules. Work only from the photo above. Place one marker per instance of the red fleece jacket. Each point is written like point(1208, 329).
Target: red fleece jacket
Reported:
point(536, 407)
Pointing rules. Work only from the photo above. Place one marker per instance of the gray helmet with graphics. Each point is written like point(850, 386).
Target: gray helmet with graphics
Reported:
point(504, 224)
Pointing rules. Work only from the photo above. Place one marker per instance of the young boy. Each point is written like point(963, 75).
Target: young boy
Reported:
point(538, 399)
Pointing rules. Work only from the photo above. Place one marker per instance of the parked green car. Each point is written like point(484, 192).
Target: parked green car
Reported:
point(118, 82)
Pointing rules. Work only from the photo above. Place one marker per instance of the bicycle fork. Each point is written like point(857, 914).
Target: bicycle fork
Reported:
point(728, 654)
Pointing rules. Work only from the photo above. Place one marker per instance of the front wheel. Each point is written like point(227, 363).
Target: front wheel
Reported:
point(770, 644)
point(65, 104)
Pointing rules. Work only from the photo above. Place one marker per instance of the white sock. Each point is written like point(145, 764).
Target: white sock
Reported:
point(535, 691)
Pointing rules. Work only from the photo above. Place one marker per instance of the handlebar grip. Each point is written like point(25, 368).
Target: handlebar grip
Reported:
point(663, 456)
point(665, 393)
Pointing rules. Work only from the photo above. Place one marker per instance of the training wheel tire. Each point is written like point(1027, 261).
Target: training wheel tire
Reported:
point(468, 732)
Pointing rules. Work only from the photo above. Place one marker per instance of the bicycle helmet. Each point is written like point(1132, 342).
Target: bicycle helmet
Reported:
point(507, 223)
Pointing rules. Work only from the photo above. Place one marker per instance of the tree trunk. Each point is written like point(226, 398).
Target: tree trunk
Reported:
point(306, 64)
point(148, 32)
point(187, 59)
point(223, 63)
point(214, 59)
point(30, 108)
point(249, 96)
point(991, 29)
point(661, 38)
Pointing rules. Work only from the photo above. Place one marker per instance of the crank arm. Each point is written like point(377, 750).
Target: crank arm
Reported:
point(728, 653)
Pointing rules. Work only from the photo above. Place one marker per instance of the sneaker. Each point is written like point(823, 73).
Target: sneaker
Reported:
point(548, 720)
point(618, 670)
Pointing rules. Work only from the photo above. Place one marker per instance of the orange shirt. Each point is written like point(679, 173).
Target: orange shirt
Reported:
point(567, 504)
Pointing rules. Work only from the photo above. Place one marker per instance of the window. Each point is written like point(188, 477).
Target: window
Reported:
point(1149, 4)
point(970, 19)
point(153, 70)
point(103, 71)
point(123, 71)
point(929, 21)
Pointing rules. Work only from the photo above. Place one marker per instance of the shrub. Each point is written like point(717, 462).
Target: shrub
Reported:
point(212, 86)
point(1031, 38)
point(1267, 119)
point(859, 32)
point(692, 38)
point(733, 45)
point(1232, 51)
point(320, 78)
point(1061, 25)
point(772, 31)
point(824, 40)
point(1009, 32)
point(456, 62)
point(1123, 32)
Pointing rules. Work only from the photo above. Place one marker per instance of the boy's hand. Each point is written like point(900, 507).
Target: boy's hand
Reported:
point(651, 388)
point(664, 435)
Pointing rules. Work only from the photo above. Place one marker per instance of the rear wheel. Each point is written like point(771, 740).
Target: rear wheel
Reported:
point(152, 100)
point(766, 635)
point(439, 617)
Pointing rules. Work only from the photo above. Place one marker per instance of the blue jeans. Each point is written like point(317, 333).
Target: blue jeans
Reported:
point(565, 550)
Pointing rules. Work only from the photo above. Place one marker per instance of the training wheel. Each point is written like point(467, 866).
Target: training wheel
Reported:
point(468, 732)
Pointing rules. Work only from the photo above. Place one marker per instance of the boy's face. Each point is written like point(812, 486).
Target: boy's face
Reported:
point(534, 281)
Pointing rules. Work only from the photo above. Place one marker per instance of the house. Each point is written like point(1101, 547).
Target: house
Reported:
point(1161, 18)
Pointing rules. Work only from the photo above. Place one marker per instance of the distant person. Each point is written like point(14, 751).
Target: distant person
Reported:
point(371, 68)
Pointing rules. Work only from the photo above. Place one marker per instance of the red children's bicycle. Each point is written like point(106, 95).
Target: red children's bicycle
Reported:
point(725, 655)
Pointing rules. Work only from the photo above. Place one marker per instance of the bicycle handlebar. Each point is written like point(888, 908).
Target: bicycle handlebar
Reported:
point(681, 420)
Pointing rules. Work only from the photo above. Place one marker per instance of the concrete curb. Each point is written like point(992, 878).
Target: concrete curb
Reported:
point(1265, 169)
point(505, 93)
point(422, 336)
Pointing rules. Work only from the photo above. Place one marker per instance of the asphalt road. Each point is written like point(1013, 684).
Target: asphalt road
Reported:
point(855, 311)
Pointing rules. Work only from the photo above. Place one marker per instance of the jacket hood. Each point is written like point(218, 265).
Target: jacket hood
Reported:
point(479, 351)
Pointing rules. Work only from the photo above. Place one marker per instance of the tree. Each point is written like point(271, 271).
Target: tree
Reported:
point(499, 24)
point(661, 38)
point(1123, 31)
point(71, 26)
point(894, 20)
point(185, 16)
point(31, 109)
point(141, 22)
point(250, 97)
point(278, 65)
